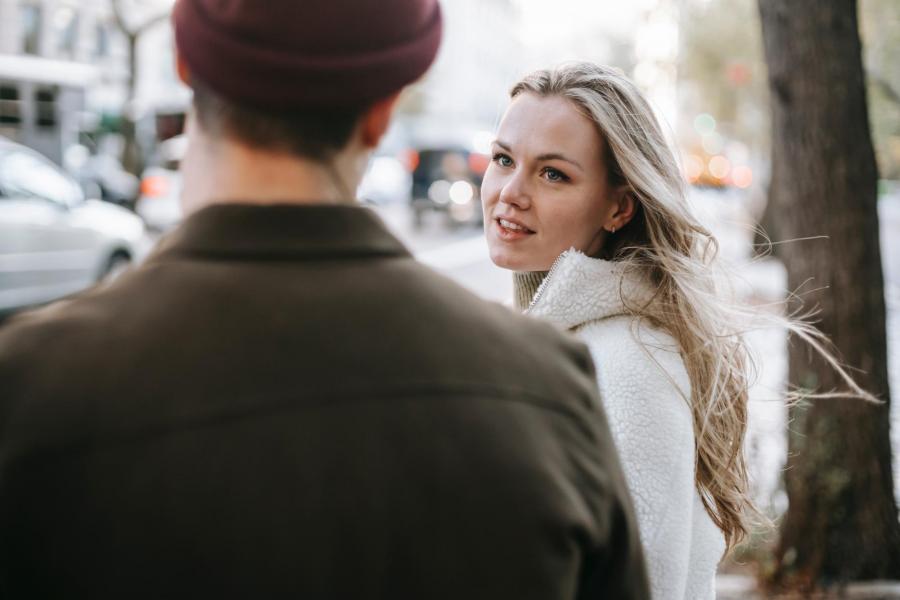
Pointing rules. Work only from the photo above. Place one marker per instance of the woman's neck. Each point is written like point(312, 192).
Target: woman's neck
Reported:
point(525, 286)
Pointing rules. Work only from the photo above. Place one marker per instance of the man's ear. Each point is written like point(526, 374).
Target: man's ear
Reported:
point(184, 74)
point(376, 120)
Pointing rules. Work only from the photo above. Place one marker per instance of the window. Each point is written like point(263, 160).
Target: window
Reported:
point(27, 175)
point(65, 25)
point(45, 101)
point(30, 15)
point(101, 36)
point(10, 106)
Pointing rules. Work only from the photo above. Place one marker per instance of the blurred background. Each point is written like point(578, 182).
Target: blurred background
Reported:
point(91, 136)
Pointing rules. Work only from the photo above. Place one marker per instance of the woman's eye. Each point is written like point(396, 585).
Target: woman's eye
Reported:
point(555, 175)
point(502, 160)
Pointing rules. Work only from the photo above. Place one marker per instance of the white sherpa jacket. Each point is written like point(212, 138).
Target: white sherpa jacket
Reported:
point(645, 391)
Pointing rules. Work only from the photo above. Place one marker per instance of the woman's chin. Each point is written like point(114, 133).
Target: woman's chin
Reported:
point(501, 259)
point(511, 261)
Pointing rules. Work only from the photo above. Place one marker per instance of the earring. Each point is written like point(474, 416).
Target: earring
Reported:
point(612, 229)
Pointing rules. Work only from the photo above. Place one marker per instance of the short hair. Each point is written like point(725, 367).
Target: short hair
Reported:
point(315, 134)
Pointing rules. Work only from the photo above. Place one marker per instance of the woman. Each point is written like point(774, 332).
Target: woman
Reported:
point(583, 185)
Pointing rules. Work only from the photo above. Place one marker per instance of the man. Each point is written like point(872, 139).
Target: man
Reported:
point(281, 401)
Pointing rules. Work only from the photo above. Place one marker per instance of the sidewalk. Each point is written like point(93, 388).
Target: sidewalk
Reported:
point(739, 587)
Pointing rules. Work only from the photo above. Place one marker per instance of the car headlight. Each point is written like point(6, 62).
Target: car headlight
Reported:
point(439, 191)
point(461, 192)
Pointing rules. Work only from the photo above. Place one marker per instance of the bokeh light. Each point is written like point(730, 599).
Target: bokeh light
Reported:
point(704, 124)
point(712, 143)
point(742, 176)
point(693, 167)
point(461, 192)
point(719, 167)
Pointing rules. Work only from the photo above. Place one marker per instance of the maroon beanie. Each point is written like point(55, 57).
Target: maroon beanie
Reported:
point(281, 54)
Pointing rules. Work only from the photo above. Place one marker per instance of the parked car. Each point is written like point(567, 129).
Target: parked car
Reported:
point(159, 204)
point(53, 241)
point(447, 180)
point(111, 182)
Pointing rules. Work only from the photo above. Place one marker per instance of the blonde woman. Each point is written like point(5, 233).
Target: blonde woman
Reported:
point(582, 185)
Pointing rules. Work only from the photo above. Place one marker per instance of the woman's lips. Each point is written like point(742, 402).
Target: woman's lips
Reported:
point(511, 231)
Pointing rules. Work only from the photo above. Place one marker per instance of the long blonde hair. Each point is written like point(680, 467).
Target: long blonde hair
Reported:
point(669, 245)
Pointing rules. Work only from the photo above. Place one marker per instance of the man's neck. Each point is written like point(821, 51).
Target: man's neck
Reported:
point(225, 172)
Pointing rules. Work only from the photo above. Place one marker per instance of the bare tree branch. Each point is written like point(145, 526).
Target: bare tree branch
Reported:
point(122, 24)
point(120, 19)
point(151, 23)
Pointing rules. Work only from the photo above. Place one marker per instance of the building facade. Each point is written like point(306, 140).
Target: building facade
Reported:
point(64, 68)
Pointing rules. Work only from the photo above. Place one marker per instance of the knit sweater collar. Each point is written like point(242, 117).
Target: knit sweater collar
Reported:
point(525, 286)
point(579, 289)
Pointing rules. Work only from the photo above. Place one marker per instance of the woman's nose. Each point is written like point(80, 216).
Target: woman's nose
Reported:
point(515, 193)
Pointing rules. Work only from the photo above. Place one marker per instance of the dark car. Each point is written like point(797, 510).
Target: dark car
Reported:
point(448, 181)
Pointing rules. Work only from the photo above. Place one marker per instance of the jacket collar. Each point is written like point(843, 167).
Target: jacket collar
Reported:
point(283, 231)
point(580, 289)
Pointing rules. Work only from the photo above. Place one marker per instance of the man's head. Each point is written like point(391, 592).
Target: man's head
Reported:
point(302, 76)
point(313, 134)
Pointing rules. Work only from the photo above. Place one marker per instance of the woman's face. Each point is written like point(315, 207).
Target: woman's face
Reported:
point(545, 190)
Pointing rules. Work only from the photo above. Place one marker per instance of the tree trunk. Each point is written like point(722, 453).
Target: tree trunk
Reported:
point(132, 157)
point(842, 522)
point(132, 161)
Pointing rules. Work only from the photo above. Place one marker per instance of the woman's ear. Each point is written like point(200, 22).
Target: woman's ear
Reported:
point(624, 205)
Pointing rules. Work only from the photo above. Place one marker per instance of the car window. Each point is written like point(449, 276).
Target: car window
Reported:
point(28, 175)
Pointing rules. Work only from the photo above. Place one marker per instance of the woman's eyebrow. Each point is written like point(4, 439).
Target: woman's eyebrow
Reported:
point(543, 157)
point(557, 156)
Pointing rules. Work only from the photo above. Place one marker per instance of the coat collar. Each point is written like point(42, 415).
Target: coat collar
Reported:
point(580, 289)
point(283, 231)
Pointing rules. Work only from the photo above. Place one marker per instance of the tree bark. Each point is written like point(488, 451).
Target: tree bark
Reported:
point(132, 158)
point(132, 161)
point(842, 521)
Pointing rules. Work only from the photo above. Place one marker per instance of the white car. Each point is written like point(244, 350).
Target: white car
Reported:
point(54, 242)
